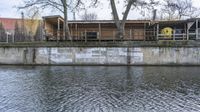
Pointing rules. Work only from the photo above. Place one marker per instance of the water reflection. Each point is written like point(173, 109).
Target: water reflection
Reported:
point(99, 89)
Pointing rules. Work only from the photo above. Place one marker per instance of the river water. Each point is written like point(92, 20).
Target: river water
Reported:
point(99, 89)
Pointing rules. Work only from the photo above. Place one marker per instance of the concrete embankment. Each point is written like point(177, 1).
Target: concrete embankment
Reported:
point(117, 54)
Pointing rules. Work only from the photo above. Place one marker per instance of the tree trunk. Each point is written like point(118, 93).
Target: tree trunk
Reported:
point(116, 19)
point(66, 27)
point(120, 24)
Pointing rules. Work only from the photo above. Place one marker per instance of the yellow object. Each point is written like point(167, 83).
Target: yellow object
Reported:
point(167, 32)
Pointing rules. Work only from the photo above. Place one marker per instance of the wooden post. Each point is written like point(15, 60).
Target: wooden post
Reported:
point(185, 31)
point(157, 32)
point(197, 29)
point(64, 31)
point(130, 34)
point(13, 38)
point(44, 29)
point(71, 30)
point(113, 35)
point(7, 37)
point(154, 33)
point(99, 32)
point(76, 30)
point(144, 31)
point(58, 30)
point(187, 34)
point(85, 36)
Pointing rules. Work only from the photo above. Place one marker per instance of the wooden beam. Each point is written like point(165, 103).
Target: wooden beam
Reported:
point(130, 34)
point(197, 29)
point(58, 30)
point(144, 31)
point(99, 32)
point(189, 25)
point(71, 30)
point(157, 31)
point(85, 36)
point(76, 28)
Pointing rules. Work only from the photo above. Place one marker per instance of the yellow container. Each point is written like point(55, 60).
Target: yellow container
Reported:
point(167, 32)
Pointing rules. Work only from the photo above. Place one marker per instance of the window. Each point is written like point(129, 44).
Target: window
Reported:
point(91, 35)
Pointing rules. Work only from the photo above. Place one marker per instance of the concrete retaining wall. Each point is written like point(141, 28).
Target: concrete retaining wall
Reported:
point(101, 56)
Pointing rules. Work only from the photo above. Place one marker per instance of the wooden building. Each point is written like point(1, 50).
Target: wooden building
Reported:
point(135, 30)
point(94, 30)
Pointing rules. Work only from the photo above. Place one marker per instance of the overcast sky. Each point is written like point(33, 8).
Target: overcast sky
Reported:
point(8, 9)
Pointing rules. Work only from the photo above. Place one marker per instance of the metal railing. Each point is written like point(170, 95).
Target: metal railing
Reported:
point(182, 36)
point(103, 35)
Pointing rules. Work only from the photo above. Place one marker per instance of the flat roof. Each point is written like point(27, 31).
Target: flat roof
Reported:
point(93, 21)
point(127, 21)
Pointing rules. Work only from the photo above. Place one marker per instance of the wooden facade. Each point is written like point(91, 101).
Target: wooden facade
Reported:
point(94, 30)
point(135, 30)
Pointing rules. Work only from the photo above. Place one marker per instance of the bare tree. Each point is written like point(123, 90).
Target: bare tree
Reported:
point(89, 16)
point(60, 5)
point(176, 9)
point(129, 3)
point(32, 22)
point(17, 33)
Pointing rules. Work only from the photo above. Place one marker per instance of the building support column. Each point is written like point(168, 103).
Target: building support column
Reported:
point(130, 34)
point(157, 31)
point(99, 32)
point(144, 31)
point(77, 37)
point(71, 31)
point(197, 29)
point(85, 36)
point(58, 31)
point(44, 30)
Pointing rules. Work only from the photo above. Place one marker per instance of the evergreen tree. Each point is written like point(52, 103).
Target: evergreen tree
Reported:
point(17, 34)
point(2, 33)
